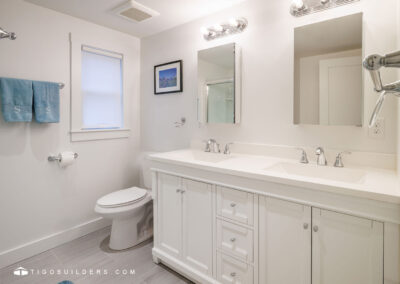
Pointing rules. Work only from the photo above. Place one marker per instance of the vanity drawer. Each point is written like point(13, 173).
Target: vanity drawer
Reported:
point(230, 270)
point(235, 240)
point(235, 204)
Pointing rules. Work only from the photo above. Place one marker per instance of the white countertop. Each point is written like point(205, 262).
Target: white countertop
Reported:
point(375, 183)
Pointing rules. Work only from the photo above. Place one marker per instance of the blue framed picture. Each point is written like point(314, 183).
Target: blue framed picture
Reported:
point(168, 78)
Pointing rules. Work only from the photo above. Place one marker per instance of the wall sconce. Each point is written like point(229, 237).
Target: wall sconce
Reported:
point(235, 25)
point(304, 7)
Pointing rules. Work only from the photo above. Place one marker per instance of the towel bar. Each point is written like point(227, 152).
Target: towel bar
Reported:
point(58, 157)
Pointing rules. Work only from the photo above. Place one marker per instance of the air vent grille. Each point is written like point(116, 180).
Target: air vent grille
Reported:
point(134, 11)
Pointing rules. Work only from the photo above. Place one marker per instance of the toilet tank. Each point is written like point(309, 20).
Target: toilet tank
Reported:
point(145, 173)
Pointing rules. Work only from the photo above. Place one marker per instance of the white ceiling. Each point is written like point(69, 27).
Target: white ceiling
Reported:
point(172, 12)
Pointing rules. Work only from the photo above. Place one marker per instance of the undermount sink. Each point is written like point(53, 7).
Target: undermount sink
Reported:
point(322, 172)
point(209, 157)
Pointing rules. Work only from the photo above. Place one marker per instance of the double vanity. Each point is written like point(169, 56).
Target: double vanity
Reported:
point(270, 219)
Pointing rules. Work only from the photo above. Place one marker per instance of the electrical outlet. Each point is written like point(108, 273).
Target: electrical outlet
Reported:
point(377, 131)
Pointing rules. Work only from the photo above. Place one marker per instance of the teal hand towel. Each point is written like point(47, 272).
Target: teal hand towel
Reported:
point(46, 102)
point(16, 99)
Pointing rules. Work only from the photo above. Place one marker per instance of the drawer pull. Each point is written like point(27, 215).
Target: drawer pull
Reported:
point(315, 228)
point(233, 239)
point(233, 274)
point(233, 204)
point(178, 190)
point(305, 226)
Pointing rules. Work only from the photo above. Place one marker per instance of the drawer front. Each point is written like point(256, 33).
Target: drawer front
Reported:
point(235, 204)
point(230, 270)
point(236, 240)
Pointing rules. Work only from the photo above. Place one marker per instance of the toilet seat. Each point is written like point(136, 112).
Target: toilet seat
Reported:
point(122, 197)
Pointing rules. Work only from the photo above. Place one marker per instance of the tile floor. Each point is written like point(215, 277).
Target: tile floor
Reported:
point(91, 252)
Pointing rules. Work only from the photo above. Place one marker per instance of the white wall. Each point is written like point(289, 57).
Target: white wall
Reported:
point(37, 198)
point(267, 96)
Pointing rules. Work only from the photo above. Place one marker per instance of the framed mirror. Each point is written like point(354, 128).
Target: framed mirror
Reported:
point(219, 84)
point(328, 88)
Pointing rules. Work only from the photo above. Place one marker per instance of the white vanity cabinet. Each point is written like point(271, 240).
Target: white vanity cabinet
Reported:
point(285, 242)
point(184, 227)
point(223, 229)
point(346, 249)
point(317, 246)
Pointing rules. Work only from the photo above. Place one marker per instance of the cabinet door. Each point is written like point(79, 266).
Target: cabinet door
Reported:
point(346, 249)
point(197, 225)
point(170, 214)
point(284, 242)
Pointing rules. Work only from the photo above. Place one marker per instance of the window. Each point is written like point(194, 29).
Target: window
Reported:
point(101, 88)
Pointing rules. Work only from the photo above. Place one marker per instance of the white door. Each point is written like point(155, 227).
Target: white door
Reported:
point(340, 96)
point(284, 242)
point(346, 249)
point(170, 214)
point(197, 225)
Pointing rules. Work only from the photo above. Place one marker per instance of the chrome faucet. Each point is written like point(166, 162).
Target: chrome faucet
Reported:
point(212, 146)
point(339, 162)
point(321, 159)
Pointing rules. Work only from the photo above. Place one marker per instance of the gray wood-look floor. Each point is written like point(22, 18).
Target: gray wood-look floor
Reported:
point(91, 252)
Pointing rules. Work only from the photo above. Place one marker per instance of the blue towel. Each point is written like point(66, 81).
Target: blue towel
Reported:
point(16, 99)
point(66, 282)
point(46, 102)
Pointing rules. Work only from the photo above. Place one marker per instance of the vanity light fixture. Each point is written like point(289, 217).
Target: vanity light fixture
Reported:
point(300, 8)
point(235, 25)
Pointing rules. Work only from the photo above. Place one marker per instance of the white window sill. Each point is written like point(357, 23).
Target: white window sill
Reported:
point(99, 134)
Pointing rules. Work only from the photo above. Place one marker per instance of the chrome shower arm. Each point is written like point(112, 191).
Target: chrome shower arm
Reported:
point(391, 60)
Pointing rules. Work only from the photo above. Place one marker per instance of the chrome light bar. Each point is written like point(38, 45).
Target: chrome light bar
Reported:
point(227, 28)
point(304, 7)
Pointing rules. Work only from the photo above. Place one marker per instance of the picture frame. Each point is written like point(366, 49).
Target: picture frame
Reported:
point(168, 78)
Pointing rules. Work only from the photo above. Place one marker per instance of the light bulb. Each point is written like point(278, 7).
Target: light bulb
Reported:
point(298, 3)
point(204, 31)
point(233, 22)
point(218, 28)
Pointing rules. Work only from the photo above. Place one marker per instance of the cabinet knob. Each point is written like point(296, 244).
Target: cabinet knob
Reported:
point(233, 239)
point(305, 226)
point(183, 190)
point(315, 228)
point(178, 190)
point(233, 204)
point(233, 274)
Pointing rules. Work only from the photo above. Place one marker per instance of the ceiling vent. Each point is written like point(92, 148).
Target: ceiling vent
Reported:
point(135, 12)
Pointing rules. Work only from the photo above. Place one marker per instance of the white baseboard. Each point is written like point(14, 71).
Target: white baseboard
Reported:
point(35, 247)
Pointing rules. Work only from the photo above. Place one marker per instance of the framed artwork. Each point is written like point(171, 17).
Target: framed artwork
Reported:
point(168, 78)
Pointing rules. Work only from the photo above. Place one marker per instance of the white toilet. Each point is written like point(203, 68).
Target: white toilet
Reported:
point(131, 211)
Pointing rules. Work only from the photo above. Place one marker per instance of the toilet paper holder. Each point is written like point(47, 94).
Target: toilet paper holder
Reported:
point(58, 157)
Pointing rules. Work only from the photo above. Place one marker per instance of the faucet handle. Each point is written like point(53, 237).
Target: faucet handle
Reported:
point(338, 161)
point(227, 150)
point(303, 158)
point(208, 145)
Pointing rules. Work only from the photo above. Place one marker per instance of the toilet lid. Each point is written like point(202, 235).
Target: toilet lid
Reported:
point(122, 197)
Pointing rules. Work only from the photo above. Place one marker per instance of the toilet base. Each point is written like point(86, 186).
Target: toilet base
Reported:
point(124, 234)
